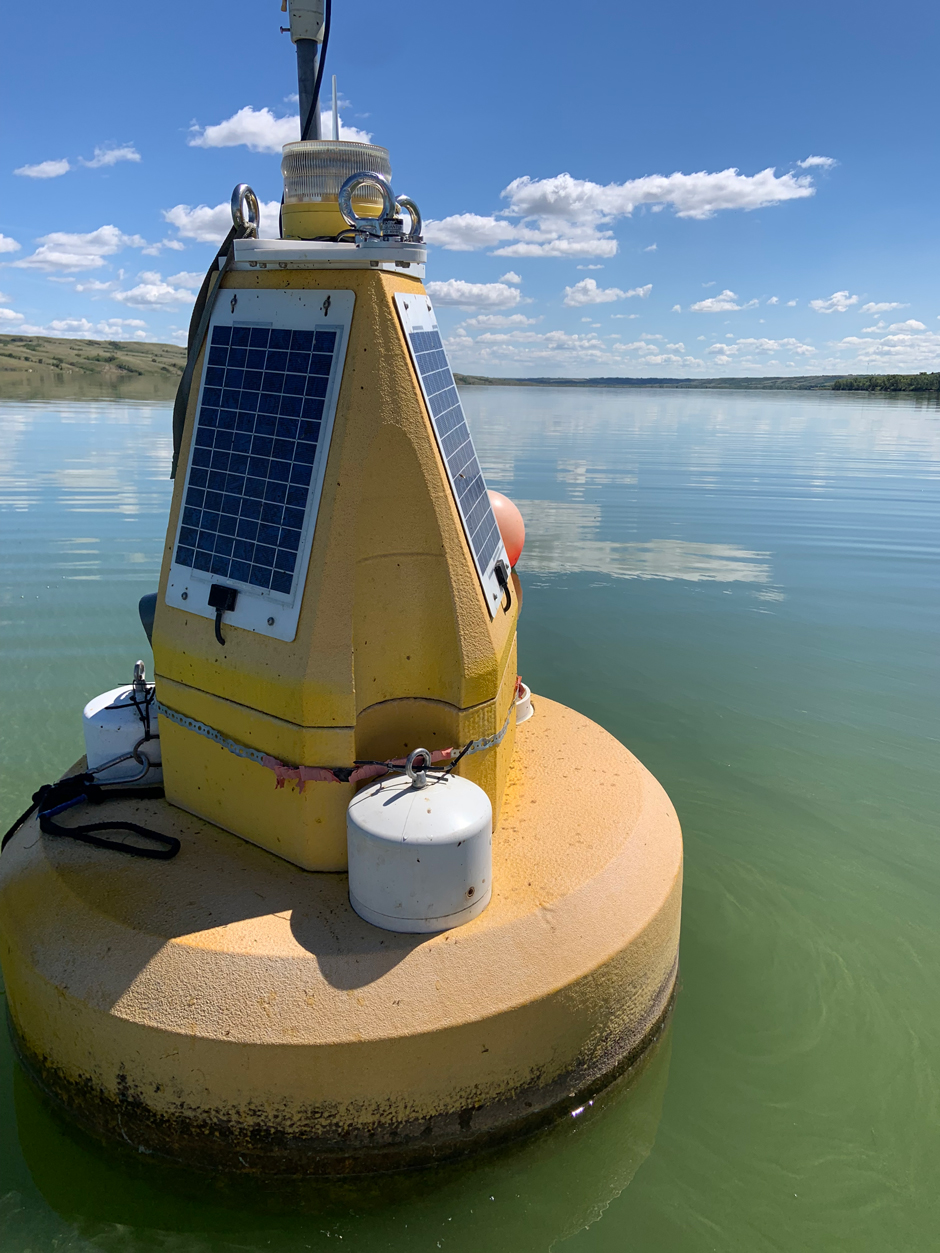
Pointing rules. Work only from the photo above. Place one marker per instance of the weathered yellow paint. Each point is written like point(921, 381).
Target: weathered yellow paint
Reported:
point(394, 647)
point(227, 1009)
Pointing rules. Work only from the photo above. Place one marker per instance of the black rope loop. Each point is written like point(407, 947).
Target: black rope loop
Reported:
point(54, 798)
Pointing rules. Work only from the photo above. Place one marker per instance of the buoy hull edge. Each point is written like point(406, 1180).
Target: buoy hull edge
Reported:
point(223, 1144)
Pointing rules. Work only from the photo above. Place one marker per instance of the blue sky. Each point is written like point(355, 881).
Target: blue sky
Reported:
point(611, 189)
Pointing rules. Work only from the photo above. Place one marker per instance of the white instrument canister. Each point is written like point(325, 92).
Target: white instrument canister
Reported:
point(524, 710)
point(114, 724)
point(420, 856)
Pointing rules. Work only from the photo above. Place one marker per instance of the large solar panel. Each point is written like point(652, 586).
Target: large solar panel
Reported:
point(454, 442)
point(263, 423)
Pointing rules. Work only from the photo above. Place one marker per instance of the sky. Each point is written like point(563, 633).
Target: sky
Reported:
point(609, 189)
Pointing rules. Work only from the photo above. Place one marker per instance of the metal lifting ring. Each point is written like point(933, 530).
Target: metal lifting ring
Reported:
point(371, 226)
point(406, 203)
point(418, 774)
point(243, 196)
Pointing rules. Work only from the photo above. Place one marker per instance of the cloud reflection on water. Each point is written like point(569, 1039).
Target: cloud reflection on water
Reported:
point(559, 541)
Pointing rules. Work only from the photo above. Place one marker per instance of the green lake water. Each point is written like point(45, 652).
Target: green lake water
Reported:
point(745, 589)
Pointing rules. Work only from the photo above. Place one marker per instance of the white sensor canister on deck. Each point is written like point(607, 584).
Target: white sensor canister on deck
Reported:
point(420, 857)
point(116, 725)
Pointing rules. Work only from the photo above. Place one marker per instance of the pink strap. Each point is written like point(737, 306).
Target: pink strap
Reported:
point(322, 774)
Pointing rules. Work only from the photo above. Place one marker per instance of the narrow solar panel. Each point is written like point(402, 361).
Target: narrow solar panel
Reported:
point(256, 460)
point(453, 439)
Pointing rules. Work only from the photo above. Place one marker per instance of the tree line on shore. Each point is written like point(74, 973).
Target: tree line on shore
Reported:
point(923, 382)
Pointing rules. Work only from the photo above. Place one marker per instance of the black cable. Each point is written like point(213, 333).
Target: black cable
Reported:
point(311, 112)
point(463, 752)
point(198, 325)
point(503, 580)
point(53, 798)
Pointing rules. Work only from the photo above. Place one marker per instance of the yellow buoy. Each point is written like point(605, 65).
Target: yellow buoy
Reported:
point(336, 607)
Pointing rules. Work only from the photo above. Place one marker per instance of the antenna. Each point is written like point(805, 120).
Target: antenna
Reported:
point(335, 111)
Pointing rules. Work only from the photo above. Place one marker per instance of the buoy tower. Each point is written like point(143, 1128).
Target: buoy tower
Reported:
point(388, 906)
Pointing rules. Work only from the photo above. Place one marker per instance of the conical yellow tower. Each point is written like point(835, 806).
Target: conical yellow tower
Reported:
point(329, 491)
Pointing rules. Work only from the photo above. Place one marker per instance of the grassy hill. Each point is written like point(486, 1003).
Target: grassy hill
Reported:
point(32, 365)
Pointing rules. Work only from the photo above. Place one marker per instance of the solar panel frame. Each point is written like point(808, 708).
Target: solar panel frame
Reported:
point(454, 441)
point(257, 457)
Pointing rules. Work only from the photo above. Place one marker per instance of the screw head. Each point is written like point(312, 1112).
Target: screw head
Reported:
point(185, 596)
point(270, 622)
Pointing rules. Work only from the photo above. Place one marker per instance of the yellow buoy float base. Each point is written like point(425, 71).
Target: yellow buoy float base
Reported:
point(229, 1010)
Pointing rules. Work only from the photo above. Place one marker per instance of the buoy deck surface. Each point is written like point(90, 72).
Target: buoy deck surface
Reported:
point(232, 1010)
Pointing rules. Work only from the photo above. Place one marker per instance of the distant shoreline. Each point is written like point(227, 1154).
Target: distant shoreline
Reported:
point(131, 366)
point(808, 382)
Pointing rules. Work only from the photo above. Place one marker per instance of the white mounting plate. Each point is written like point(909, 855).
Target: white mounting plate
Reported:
point(300, 254)
point(187, 588)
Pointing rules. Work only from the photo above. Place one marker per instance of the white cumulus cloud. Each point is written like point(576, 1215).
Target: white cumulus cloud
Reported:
point(111, 155)
point(583, 353)
point(569, 217)
point(8, 245)
point(45, 169)
point(210, 225)
point(9, 316)
point(691, 195)
point(587, 292)
point(260, 131)
point(152, 292)
point(496, 321)
point(95, 285)
point(463, 232)
point(884, 306)
point(68, 252)
point(821, 163)
point(748, 347)
point(510, 277)
point(838, 302)
point(187, 278)
point(724, 302)
point(454, 291)
point(906, 348)
point(910, 325)
point(82, 328)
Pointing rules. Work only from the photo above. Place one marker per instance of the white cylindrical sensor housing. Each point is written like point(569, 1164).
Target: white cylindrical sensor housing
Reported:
point(113, 726)
point(420, 858)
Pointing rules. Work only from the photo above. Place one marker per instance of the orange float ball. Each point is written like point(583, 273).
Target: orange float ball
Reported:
point(510, 523)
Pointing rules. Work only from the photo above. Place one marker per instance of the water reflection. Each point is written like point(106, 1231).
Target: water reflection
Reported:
point(532, 1196)
point(558, 542)
point(797, 738)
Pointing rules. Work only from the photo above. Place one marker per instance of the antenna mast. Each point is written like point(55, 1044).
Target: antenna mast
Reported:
point(310, 32)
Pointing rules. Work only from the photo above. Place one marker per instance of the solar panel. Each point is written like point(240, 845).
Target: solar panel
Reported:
point(453, 440)
point(256, 461)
